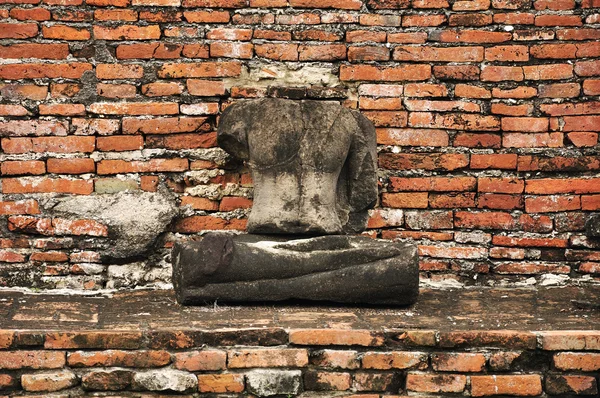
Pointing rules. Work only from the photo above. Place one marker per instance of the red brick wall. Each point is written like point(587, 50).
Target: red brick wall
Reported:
point(353, 363)
point(487, 115)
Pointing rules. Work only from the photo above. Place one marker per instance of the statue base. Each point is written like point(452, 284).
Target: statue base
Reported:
point(260, 268)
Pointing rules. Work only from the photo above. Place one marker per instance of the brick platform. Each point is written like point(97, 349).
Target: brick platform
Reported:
point(482, 342)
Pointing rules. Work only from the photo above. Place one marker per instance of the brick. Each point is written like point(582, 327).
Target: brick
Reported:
point(548, 72)
point(507, 253)
point(48, 381)
point(473, 36)
point(458, 362)
point(45, 185)
point(70, 144)
point(35, 50)
point(205, 87)
point(95, 126)
point(532, 140)
point(30, 14)
point(512, 110)
point(149, 51)
point(323, 52)
point(518, 92)
point(394, 360)
point(72, 70)
point(502, 73)
point(93, 340)
point(204, 360)
point(18, 30)
point(327, 381)
point(494, 161)
point(456, 72)
point(558, 20)
point(468, 91)
point(221, 383)
point(277, 51)
point(64, 90)
point(454, 121)
point(567, 385)
point(111, 380)
point(213, 16)
point(485, 220)
point(205, 69)
point(368, 53)
point(119, 358)
point(116, 90)
point(581, 123)
point(10, 257)
point(553, 203)
point(519, 385)
point(591, 87)
point(583, 139)
point(195, 224)
point(570, 340)
point(168, 125)
point(117, 71)
point(335, 337)
point(231, 50)
point(453, 252)
point(262, 358)
point(71, 166)
point(409, 137)
point(376, 382)
point(161, 16)
point(156, 3)
point(127, 32)
point(134, 108)
point(374, 73)
point(271, 35)
point(515, 18)
point(335, 359)
point(433, 219)
point(159, 89)
point(62, 109)
point(524, 268)
point(448, 54)
point(115, 15)
point(119, 143)
point(435, 383)
point(423, 20)
point(500, 185)
point(64, 32)
point(546, 186)
point(515, 53)
point(22, 167)
point(32, 359)
point(151, 166)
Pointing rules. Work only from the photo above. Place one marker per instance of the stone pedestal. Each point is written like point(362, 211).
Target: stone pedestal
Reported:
point(224, 267)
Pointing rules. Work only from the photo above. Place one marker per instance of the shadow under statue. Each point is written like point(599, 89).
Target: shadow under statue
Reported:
point(314, 168)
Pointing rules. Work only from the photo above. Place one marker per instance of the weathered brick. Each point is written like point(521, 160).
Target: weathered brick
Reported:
point(435, 383)
point(519, 385)
point(394, 360)
point(335, 337)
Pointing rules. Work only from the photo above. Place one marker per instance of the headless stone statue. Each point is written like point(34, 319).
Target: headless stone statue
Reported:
point(313, 165)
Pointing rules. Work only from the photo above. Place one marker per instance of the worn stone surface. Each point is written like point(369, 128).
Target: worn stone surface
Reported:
point(165, 380)
point(592, 226)
point(528, 308)
point(340, 268)
point(313, 164)
point(266, 383)
point(131, 232)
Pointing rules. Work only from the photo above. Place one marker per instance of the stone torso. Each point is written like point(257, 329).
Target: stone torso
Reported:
point(297, 152)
